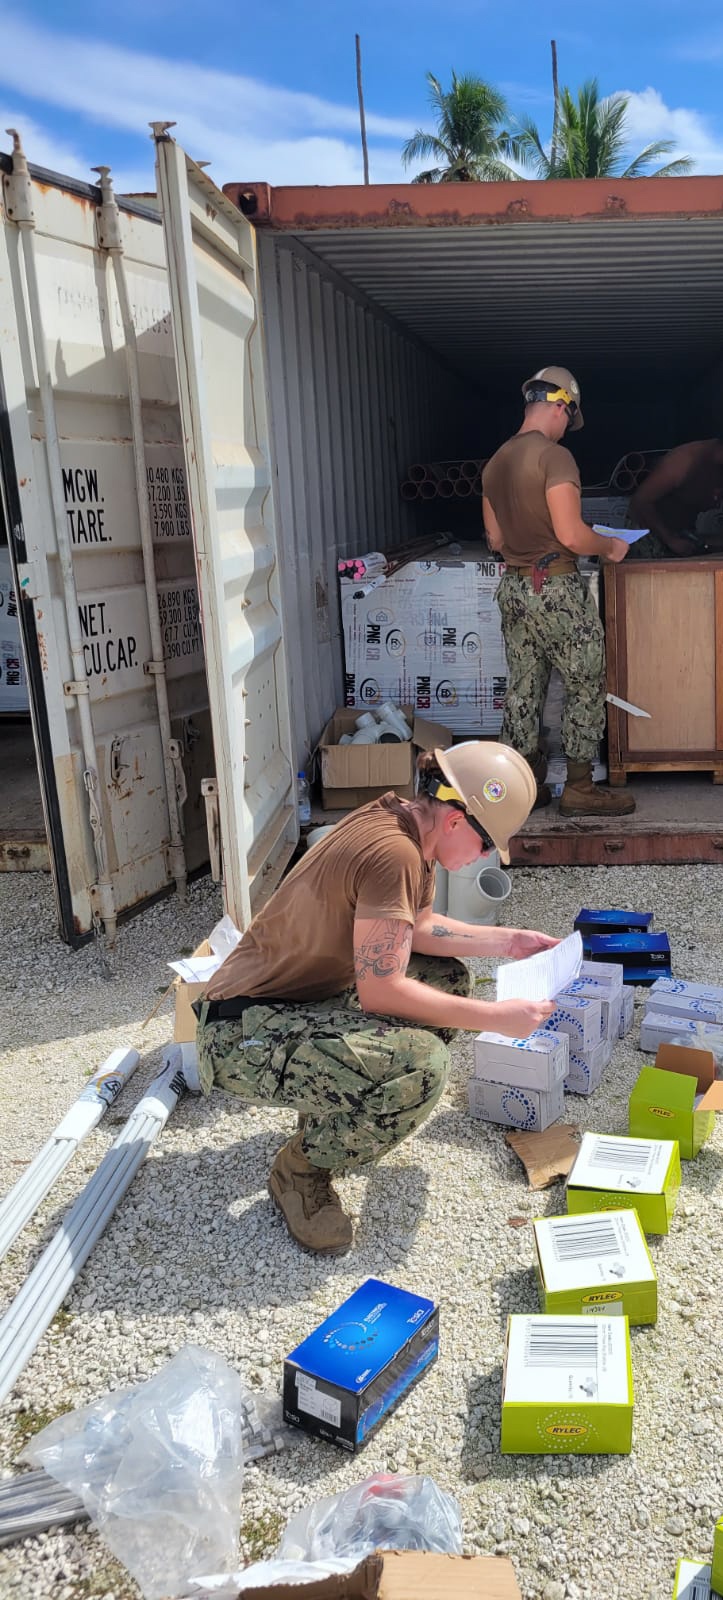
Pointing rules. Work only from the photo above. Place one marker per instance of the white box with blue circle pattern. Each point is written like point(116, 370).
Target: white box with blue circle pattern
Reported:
point(513, 1107)
point(538, 1062)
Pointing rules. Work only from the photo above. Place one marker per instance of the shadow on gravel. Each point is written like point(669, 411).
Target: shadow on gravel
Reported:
point(480, 1456)
point(517, 1292)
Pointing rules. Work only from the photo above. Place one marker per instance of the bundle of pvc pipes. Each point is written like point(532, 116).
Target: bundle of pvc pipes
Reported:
point(102, 1090)
point(632, 470)
point(34, 1307)
point(442, 479)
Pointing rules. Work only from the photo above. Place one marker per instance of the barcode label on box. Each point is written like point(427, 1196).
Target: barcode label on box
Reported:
point(592, 1250)
point(628, 1154)
point(567, 1360)
point(633, 1165)
point(560, 1344)
point(584, 1237)
point(315, 1402)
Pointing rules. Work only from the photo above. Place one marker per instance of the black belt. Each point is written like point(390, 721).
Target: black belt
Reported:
point(224, 1010)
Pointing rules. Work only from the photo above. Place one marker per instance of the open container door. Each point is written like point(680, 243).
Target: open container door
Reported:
point(211, 259)
point(94, 498)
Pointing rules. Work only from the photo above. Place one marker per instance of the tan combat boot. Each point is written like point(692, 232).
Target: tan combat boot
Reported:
point(583, 798)
point(308, 1204)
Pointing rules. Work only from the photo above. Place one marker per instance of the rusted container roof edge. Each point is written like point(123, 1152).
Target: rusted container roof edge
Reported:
point(447, 205)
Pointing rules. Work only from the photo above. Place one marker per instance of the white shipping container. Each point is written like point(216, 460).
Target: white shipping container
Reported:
point(206, 446)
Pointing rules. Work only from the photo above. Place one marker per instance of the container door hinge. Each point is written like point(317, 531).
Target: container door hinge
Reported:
point(209, 790)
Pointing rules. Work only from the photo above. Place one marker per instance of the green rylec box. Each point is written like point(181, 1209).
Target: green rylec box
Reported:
point(717, 1570)
point(693, 1581)
point(596, 1264)
point(668, 1103)
point(567, 1386)
point(613, 1172)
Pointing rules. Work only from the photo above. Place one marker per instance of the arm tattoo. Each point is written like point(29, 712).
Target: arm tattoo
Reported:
point(385, 953)
point(448, 933)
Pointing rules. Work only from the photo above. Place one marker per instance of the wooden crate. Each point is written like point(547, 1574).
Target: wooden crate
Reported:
point(664, 640)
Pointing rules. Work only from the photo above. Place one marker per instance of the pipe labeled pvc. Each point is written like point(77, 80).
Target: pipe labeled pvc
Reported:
point(99, 1093)
point(34, 1307)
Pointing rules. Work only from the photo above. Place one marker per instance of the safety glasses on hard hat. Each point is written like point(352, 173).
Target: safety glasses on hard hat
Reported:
point(438, 790)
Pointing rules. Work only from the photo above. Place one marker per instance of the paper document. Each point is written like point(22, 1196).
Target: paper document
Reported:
point(541, 977)
point(198, 969)
point(628, 535)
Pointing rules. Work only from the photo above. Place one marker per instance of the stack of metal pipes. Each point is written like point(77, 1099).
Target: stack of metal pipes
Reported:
point(443, 480)
point(632, 469)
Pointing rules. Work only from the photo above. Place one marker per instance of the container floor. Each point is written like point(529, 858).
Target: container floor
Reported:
point(678, 819)
point(23, 842)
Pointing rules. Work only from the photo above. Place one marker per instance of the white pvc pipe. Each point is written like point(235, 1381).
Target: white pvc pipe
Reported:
point(110, 239)
point(34, 1307)
point(100, 1092)
point(23, 216)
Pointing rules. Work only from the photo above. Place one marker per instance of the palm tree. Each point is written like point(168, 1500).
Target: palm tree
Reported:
point(470, 140)
point(589, 140)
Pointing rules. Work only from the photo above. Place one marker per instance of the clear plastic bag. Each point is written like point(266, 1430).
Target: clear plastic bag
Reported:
point(704, 1036)
point(159, 1468)
point(385, 1512)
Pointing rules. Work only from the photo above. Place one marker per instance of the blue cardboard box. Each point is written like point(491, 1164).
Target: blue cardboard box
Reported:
point(343, 1380)
point(639, 954)
point(613, 921)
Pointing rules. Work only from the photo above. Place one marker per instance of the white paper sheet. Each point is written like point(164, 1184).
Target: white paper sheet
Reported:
point(198, 969)
point(543, 976)
point(628, 535)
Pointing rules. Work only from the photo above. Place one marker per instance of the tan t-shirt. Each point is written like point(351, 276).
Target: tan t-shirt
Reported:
point(300, 947)
point(514, 481)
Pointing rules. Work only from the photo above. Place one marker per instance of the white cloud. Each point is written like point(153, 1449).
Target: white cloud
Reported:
point(650, 118)
point(41, 146)
point(246, 128)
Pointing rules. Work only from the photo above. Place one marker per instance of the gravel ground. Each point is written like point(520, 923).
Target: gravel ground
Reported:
point(195, 1253)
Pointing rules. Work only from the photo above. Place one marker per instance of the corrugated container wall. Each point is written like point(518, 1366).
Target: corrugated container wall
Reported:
point(354, 400)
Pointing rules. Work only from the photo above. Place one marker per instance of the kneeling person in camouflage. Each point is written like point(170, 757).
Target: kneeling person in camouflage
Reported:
point(343, 994)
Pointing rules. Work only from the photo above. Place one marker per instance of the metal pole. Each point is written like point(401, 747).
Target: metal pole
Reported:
point(19, 208)
point(34, 1307)
point(26, 1195)
point(362, 118)
point(109, 237)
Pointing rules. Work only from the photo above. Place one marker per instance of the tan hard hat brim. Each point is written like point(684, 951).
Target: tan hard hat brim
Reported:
point(496, 786)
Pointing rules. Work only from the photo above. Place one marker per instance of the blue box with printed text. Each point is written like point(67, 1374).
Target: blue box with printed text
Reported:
point(345, 1378)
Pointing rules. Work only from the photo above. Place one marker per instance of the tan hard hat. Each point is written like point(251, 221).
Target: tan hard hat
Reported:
point(494, 783)
point(559, 378)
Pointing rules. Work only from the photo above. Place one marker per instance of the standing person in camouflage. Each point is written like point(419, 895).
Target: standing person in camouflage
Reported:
point(341, 997)
point(532, 516)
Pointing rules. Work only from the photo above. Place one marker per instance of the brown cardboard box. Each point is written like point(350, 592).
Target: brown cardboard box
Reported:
point(408, 1575)
point(184, 1022)
point(351, 775)
point(698, 1064)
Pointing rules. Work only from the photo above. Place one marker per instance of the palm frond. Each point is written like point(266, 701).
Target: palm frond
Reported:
point(652, 152)
point(424, 144)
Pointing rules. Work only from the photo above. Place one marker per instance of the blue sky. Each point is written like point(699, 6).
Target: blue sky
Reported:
point(268, 91)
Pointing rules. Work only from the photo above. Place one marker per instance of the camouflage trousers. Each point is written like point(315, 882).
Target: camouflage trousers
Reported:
point(363, 1082)
point(559, 627)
